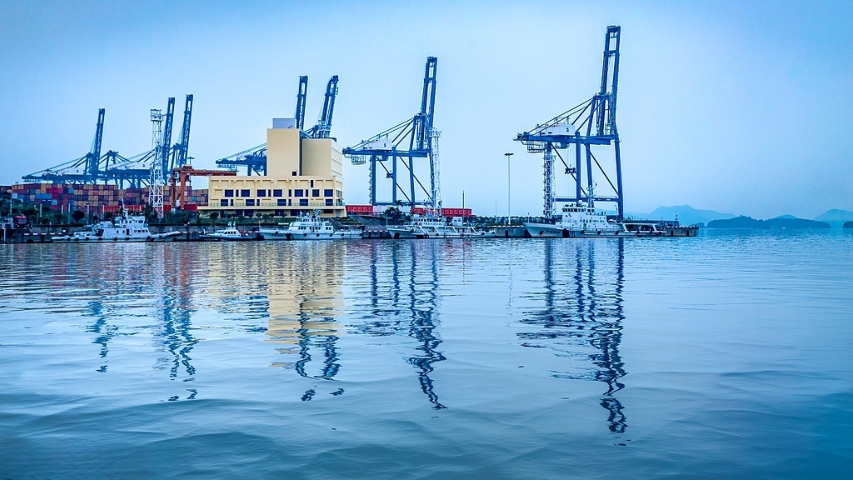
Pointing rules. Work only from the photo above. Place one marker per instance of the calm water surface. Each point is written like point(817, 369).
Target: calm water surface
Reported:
point(724, 356)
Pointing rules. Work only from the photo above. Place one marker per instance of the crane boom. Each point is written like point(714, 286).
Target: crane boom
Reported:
point(167, 134)
point(300, 102)
point(94, 156)
point(182, 149)
point(324, 123)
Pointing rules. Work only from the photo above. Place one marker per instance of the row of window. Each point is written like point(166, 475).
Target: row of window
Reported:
point(263, 193)
point(281, 202)
point(278, 213)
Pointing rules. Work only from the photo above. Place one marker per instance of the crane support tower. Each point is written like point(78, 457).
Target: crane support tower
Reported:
point(401, 145)
point(255, 158)
point(590, 124)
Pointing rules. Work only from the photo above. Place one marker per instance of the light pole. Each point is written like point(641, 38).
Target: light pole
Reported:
point(508, 184)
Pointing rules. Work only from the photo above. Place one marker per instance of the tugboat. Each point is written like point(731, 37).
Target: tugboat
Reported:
point(230, 234)
point(126, 228)
point(309, 227)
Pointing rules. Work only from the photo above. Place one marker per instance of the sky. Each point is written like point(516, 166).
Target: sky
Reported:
point(740, 107)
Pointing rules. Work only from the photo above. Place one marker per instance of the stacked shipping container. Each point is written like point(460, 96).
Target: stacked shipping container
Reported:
point(102, 197)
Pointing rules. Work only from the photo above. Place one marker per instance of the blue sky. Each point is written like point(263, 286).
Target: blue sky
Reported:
point(742, 107)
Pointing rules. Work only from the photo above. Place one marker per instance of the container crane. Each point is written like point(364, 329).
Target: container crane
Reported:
point(401, 144)
point(591, 123)
point(80, 170)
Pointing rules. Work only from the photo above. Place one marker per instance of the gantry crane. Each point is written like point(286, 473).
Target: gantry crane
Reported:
point(592, 123)
point(181, 178)
point(255, 158)
point(401, 144)
point(111, 167)
point(80, 170)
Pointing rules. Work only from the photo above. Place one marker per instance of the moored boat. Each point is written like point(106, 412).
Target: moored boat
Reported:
point(436, 227)
point(230, 234)
point(309, 227)
point(125, 228)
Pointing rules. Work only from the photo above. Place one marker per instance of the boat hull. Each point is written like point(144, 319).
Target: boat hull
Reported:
point(547, 230)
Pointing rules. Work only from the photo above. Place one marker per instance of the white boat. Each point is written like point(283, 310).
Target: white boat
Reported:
point(126, 228)
point(580, 220)
point(230, 234)
point(309, 227)
point(436, 227)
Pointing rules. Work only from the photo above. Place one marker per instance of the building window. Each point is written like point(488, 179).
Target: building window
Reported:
point(294, 173)
point(276, 193)
point(329, 211)
point(312, 183)
point(250, 202)
point(297, 193)
point(294, 213)
point(315, 192)
point(330, 202)
point(262, 193)
point(223, 203)
point(328, 192)
point(229, 193)
point(279, 213)
point(303, 202)
point(281, 202)
point(232, 203)
point(245, 193)
point(340, 193)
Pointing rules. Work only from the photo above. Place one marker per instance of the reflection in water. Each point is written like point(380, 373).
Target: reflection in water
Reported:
point(404, 301)
point(305, 295)
point(583, 313)
point(171, 276)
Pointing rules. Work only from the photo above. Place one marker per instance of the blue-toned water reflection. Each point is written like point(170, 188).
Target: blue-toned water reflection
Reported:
point(403, 300)
point(582, 314)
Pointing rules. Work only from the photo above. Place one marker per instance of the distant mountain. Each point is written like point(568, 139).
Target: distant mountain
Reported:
point(835, 217)
point(785, 221)
point(686, 214)
point(848, 224)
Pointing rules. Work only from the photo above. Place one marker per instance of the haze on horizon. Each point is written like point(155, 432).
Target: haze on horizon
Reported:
point(740, 107)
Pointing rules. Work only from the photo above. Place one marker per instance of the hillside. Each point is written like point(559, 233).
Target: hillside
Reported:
point(835, 217)
point(785, 221)
point(686, 214)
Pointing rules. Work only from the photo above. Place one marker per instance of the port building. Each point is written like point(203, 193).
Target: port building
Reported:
point(303, 174)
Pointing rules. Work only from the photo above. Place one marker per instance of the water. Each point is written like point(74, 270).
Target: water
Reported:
point(723, 356)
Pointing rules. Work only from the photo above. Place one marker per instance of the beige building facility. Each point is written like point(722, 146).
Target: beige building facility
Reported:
point(303, 174)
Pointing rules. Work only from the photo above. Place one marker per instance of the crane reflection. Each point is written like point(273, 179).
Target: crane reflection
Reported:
point(403, 300)
point(581, 319)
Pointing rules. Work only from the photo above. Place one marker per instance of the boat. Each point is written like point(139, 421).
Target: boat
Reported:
point(125, 228)
point(230, 234)
point(309, 227)
point(431, 226)
point(580, 219)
